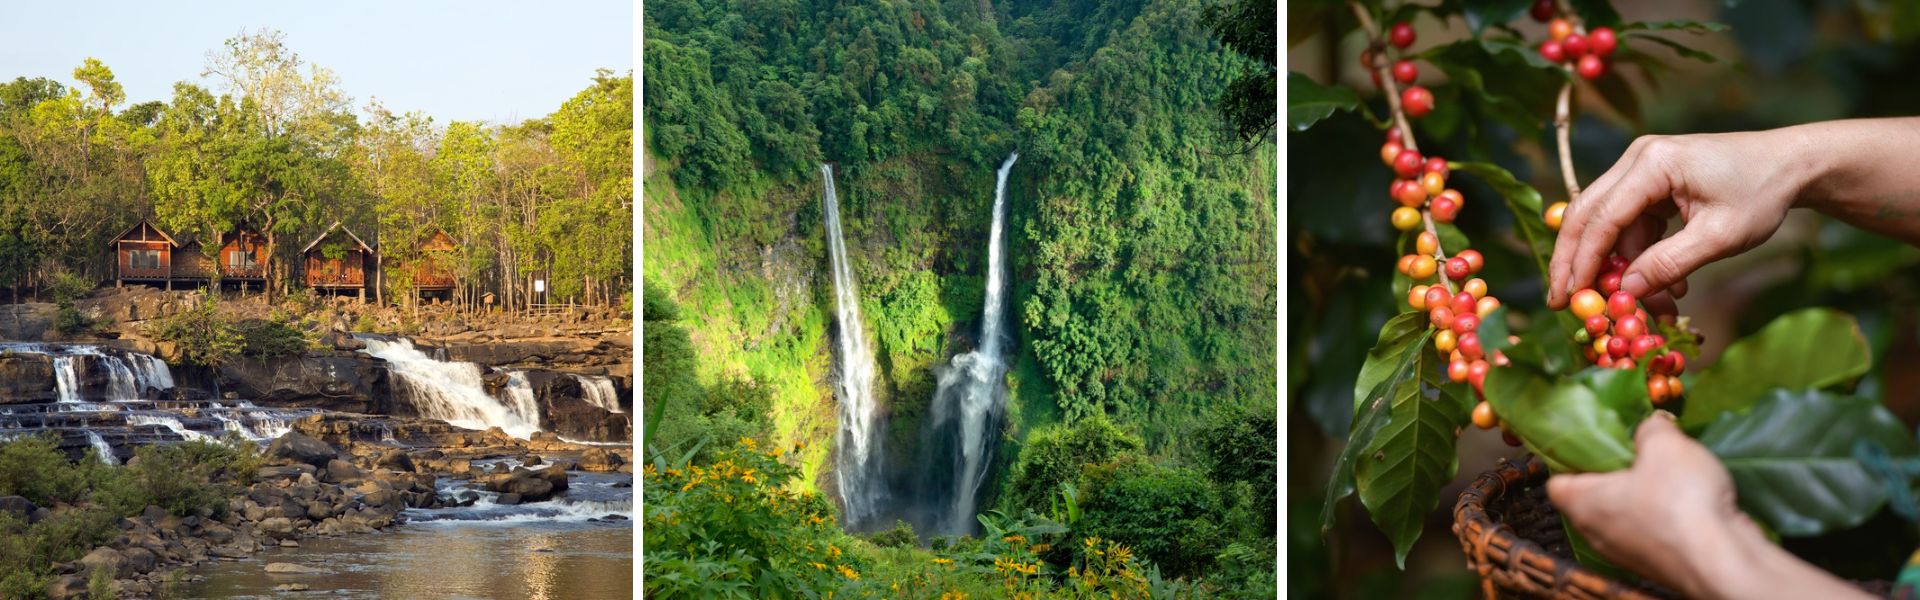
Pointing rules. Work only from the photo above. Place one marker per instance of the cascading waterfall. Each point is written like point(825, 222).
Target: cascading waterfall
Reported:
point(172, 424)
point(599, 391)
point(857, 456)
point(103, 450)
point(449, 391)
point(971, 398)
point(520, 391)
point(65, 379)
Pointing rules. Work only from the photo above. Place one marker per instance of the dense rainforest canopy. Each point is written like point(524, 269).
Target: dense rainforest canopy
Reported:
point(1141, 238)
point(266, 141)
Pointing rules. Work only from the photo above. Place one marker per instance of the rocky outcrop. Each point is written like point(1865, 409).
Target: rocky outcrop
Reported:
point(563, 409)
point(340, 381)
point(29, 322)
point(297, 448)
point(26, 378)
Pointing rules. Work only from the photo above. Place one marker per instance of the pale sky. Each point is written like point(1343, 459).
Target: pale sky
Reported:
point(492, 60)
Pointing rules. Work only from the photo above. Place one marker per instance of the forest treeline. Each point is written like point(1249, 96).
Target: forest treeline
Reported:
point(270, 142)
point(1138, 455)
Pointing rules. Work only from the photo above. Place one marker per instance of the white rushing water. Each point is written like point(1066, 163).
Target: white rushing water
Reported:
point(449, 391)
point(171, 423)
point(599, 391)
point(128, 377)
point(101, 449)
point(857, 444)
point(972, 392)
point(65, 379)
point(520, 397)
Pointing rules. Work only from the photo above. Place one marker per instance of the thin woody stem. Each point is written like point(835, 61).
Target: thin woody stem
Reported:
point(1379, 65)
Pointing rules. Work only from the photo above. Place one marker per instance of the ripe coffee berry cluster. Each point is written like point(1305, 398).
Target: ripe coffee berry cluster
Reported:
point(1415, 101)
point(1421, 182)
point(1588, 53)
point(1618, 334)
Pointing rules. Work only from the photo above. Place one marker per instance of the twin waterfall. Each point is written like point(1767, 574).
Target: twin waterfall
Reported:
point(857, 455)
point(972, 397)
point(966, 411)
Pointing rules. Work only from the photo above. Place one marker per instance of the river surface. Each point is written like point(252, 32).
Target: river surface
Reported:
point(547, 550)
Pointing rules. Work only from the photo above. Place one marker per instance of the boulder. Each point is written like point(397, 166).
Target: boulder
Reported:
point(600, 460)
point(20, 508)
point(565, 411)
point(297, 448)
point(141, 560)
point(291, 587)
point(107, 559)
point(351, 383)
point(26, 378)
point(67, 587)
point(281, 568)
point(395, 459)
point(508, 500)
point(340, 471)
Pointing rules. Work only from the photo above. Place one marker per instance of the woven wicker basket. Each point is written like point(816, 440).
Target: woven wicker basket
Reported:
point(1513, 540)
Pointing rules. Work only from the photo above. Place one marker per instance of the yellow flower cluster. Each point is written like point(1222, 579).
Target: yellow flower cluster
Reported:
point(1015, 566)
point(849, 573)
point(942, 561)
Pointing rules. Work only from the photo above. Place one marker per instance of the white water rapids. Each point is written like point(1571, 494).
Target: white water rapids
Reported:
point(857, 457)
point(449, 391)
point(972, 394)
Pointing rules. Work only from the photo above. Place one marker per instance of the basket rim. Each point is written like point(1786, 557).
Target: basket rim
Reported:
point(1506, 561)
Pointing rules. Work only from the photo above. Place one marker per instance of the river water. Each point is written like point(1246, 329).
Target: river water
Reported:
point(538, 551)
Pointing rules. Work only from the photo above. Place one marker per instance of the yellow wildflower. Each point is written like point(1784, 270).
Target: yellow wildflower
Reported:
point(819, 566)
point(748, 442)
point(833, 551)
point(942, 561)
point(849, 573)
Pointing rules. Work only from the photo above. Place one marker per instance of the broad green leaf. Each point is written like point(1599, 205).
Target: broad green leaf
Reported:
point(1792, 458)
point(1678, 48)
point(1400, 471)
point(1482, 13)
point(1688, 26)
point(1493, 331)
point(1505, 80)
point(1583, 424)
point(1597, 13)
point(1548, 347)
point(1375, 410)
point(1308, 102)
point(1402, 334)
point(1807, 349)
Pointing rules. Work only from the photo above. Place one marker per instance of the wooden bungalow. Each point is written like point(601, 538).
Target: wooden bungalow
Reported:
point(337, 261)
point(433, 272)
point(144, 254)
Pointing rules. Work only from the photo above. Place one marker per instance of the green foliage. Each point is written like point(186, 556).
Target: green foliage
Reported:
point(1308, 102)
point(899, 536)
point(205, 336)
point(1792, 459)
point(1171, 515)
point(1056, 455)
point(1237, 447)
point(730, 528)
point(186, 479)
point(283, 334)
point(1807, 349)
point(28, 553)
point(64, 287)
point(34, 468)
point(1584, 424)
point(1247, 27)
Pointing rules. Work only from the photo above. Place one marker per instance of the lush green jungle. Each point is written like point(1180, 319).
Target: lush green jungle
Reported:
point(266, 141)
point(1136, 458)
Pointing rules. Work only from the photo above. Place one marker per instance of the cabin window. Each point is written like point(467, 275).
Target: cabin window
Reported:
point(145, 259)
point(240, 261)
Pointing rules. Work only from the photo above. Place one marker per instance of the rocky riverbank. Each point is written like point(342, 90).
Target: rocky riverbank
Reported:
point(333, 475)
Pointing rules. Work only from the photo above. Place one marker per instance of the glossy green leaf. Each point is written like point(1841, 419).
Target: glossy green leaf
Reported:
point(1402, 334)
point(1581, 424)
point(1529, 217)
point(1400, 471)
point(1308, 102)
point(1686, 25)
point(1678, 48)
point(1792, 458)
point(1597, 13)
point(1807, 349)
point(1505, 80)
point(1375, 410)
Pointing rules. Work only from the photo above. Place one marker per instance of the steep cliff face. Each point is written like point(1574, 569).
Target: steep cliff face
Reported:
point(750, 273)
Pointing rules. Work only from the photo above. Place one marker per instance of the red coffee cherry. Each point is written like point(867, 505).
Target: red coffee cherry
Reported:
point(1559, 29)
point(1616, 347)
point(1575, 45)
point(1466, 323)
point(1597, 325)
point(1553, 51)
point(1469, 347)
point(1436, 164)
point(1587, 303)
point(1446, 206)
point(1405, 71)
point(1657, 389)
point(1440, 316)
point(1619, 305)
point(1457, 371)
point(1477, 373)
point(1602, 41)
point(1591, 67)
point(1463, 303)
point(1614, 264)
point(1474, 260)
point(1483, 416)
point(1542, 10)
point(1630, 327)
point(1393, 135)
point(1457, 268)
point(1411, 194)
point(1407, 164)
point(1417, 101)
point(1609, 283)
point(1390, 150)
point(1436, 297)
point(1644, 344)
point(1401, 35)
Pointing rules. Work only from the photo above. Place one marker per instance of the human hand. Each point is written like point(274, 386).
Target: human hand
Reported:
point(1732, 190)
point(1671, 517)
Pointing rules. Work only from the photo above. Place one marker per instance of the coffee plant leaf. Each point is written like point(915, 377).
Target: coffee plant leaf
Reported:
point(1793, 462)
point(1813, 348)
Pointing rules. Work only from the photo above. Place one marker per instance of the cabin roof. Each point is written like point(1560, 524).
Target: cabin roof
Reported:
point(330, 228)
point(136, 227)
